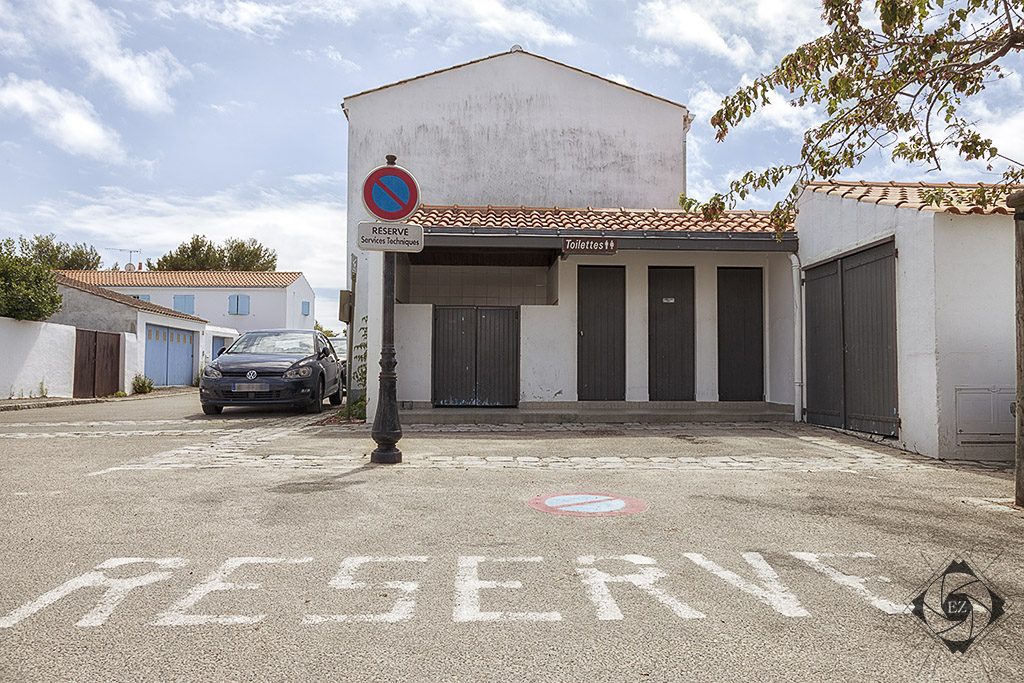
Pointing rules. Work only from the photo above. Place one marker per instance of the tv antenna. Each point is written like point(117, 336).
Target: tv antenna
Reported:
point(131, 253)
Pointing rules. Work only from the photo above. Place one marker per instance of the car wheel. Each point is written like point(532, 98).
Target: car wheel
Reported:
point(335, 398)
point(317, 404)
point(212, 410)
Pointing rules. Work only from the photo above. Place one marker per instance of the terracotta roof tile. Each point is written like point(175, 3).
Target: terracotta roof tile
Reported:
point(911, 195)
point(122, 298)
point(588, 219)
point(183, 278)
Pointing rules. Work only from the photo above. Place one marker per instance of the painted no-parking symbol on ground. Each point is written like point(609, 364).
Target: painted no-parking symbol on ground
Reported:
point(587, 504)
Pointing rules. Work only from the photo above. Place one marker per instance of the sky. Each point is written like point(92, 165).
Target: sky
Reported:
point(134, 124)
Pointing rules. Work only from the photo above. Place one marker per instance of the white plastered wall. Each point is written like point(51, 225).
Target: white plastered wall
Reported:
point(975, 321)
point(36, 354)
point(514, 129)
point(830, 226)
point(548, 333)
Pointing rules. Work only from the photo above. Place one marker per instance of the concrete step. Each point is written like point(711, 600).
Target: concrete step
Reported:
point(615, 412)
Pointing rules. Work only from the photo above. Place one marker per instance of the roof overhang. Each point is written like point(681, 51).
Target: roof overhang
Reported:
point(628, 240)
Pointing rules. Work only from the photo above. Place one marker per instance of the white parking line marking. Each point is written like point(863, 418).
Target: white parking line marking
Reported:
point(468, 586)
point(404, 607)
point(851, 581)
point(774, 593)
point(117, 589)
point(596, 583)
point(116, 434)
point(176, 616)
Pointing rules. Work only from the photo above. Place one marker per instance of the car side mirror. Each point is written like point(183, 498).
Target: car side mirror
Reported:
point(221, 350)
point(324, 352)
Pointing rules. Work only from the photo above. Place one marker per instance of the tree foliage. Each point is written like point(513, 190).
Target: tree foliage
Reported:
point(28, 290)
point(895, 80)
point(326, 331)
point(201, 253)
point(47, 250)
point(248, 255)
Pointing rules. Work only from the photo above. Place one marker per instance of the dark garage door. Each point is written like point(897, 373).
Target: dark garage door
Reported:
point(476, 356)
point(740, 334)
point(670, 330)
point(601, 340)
point(851, 342)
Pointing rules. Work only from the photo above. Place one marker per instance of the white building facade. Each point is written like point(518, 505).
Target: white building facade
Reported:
point(498, 146)
point(238, 300)
point(947, 360)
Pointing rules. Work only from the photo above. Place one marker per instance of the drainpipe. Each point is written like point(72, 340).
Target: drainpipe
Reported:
point(798, 339)
point(1016, 202)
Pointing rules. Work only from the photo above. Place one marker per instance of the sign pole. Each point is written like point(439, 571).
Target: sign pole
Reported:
point(387, 430)
point(1016, 202)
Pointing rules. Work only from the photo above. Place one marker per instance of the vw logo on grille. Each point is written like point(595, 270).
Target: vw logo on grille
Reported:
point(251, 374)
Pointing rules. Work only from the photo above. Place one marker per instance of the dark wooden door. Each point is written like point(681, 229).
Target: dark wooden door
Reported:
point(97, 363)
point(740, 334)
point(601, 340)
point(454, 371)
point(823, 302)
point(497, 356)
point(670, 334)
point(85, 364)
point(476, 356)
point(869, 332)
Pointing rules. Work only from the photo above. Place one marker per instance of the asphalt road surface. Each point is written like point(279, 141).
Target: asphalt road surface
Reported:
point(142, 540)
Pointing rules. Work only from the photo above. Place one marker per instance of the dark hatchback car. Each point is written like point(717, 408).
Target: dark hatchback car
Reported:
point(274, 367)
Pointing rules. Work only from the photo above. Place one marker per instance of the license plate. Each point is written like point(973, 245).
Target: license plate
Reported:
point(255, 386)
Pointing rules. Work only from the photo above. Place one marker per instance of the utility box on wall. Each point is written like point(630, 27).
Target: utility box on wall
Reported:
point(984, 416)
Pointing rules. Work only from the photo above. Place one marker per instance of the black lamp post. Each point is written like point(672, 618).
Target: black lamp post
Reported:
point(387, 430)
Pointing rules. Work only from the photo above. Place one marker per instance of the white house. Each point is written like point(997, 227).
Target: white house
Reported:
point(132, 336)
point(910, 316)
point(240, 300)
point(507, 306)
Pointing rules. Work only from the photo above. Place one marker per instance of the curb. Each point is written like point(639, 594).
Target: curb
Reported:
point(59, 402)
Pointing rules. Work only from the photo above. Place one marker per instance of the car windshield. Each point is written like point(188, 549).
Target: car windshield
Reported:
point(297, 343)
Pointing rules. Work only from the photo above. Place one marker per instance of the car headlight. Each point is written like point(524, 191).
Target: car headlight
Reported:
point(295, 373)
point(212, 371)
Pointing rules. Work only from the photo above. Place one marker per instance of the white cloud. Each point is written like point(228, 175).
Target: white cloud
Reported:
point(231, 106)
point(618, 78)
point(778, 114)
point(656, 56)
point(315, 180)
point(332, 54)
point(307, 233)
point(268, 19)
point(744, 32)
point(142, 79)
point(13, 42)
point(62, 117)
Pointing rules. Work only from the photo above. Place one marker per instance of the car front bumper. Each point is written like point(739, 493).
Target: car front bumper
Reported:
point(225, 391)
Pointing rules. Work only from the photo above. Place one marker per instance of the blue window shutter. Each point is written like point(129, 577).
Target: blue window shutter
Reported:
point(243, 304)
point(233, 304)
point(185, 303)
point(305, 308)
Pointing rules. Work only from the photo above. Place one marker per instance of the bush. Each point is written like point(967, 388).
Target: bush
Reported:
point(357, 409)
point(142, 384)
point(119, 394)
point(28, 291)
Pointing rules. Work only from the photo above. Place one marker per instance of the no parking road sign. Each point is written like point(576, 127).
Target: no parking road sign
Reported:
point(390, 193)
point(587, 504)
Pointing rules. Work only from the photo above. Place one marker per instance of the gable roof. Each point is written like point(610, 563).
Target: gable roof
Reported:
point(183, 278)
point(911, 195)
point(534, 219)
point(515, 50)
point(122, 298)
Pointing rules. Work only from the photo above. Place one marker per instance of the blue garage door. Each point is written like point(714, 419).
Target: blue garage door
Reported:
point(218, 344)
point(169, 355)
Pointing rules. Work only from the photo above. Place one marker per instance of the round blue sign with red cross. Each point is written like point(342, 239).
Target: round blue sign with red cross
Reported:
point(390, 193)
